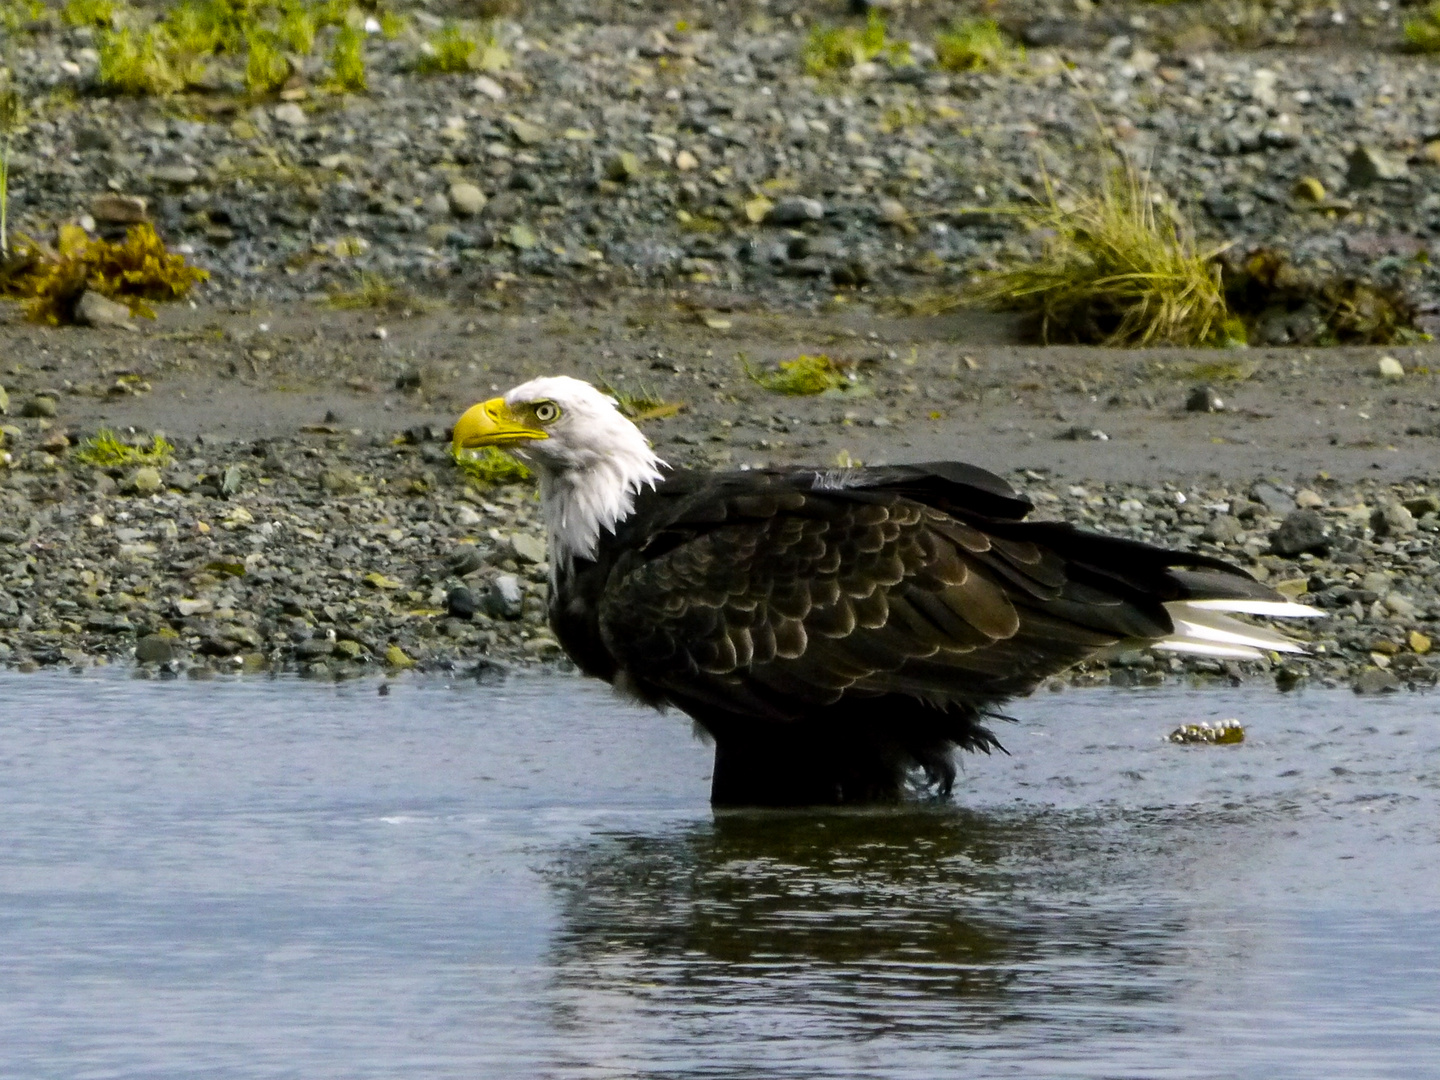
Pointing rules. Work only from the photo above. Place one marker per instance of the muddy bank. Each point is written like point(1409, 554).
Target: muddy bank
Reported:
point(310, 516)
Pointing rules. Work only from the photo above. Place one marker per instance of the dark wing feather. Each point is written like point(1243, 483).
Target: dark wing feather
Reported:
point(770, 594)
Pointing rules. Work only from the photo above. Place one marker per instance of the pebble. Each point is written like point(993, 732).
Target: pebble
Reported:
point(795, 210)
point(466, 200)
point(146, 480)
point(1204, 399)
point(1390, 368)
point(93, 309)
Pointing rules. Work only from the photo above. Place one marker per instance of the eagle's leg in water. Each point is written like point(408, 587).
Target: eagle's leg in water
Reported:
point(803, 764)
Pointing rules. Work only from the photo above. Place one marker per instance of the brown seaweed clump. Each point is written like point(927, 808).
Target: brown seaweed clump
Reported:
point(1283, 304)
point(135, 271)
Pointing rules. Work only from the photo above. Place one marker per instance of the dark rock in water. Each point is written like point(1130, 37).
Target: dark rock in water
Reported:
point(1204, 399)
point(461, 603)
point(154, 649)
point(1301, 531)
point(1376, 681)
point(314, 649)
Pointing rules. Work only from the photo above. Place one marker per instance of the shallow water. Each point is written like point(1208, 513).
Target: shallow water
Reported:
point(285, 879)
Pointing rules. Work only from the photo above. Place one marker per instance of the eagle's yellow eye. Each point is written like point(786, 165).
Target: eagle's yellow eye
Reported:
point(546, 411)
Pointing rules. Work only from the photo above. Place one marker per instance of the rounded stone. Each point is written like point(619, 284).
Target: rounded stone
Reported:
point(466, 200)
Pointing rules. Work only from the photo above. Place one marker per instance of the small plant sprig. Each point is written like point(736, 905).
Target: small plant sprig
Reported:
point(12, 116)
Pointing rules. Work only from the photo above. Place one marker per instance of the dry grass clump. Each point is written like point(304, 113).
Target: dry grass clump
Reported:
point(1113, 272)
point(806, 374)
point(490, 467)
point(104, 450)
point(1422, 34)
point(136, 271)
point(12, 116)
point(832, 49)
point(974, 45)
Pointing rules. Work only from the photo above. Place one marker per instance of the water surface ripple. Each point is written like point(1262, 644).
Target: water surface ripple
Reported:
point(286, 879)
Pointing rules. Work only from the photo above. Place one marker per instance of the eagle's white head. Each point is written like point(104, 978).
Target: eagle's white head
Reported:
point(591, 460)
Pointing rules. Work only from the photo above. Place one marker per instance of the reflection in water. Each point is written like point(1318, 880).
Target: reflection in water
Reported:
point(939, 923)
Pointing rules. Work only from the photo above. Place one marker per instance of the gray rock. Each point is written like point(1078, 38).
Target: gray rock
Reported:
point(339, 481)
point(1392, 519)
point(1301, 531)
point(232, 480)
point(113, 209)
point(1367, 165)
point(1272, 498)
point(41, 406)
point(1204, 399)
point(527, 548)
point(92, 309)
point(146, 481)
point(314, 648)
point(466, 200)
point(464, 559)
point(795, 210)
point(177, 175)
point(291, 114)
point(1222, 529)
point(154, 649)
point(506, 598)
point(461, 603)
point(1376, 681)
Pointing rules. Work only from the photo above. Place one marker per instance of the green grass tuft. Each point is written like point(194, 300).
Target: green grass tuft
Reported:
point(830, 50)
point(491, 467)
point(1112, 272)
point(1422, 34)
point(97, 13)
point(135, 63)
point(104, 451)
point(266, 66)
point(974, 45)
point(447, 52)
point(347, 61)
point(297, 28)
point(806, 374)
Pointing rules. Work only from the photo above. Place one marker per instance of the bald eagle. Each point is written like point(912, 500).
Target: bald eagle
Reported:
point(838, 633)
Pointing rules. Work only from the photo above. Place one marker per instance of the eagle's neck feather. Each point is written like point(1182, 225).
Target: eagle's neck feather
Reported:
point(592, 496)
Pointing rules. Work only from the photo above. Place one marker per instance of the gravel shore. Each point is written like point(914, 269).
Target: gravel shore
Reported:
point(654, 145)
point(663, 200)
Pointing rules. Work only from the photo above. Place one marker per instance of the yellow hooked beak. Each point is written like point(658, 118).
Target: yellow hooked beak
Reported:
point(492, 423)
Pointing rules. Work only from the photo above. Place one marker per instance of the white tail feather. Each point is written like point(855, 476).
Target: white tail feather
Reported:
point(1200, 628)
